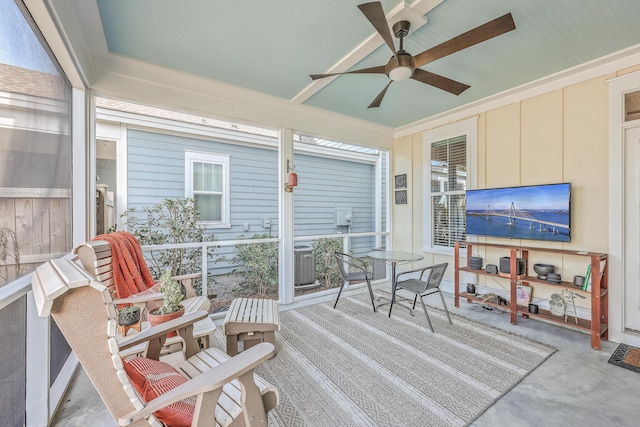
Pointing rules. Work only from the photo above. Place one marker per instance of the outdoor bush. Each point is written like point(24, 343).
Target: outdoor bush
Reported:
point(327, 270)
point(8, 246)
point(258, 266)
point(171, 221)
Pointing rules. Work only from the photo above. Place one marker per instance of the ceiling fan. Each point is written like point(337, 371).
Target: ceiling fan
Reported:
point(403, 65)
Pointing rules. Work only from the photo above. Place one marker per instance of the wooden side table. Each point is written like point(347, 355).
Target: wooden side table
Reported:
point(250, 320)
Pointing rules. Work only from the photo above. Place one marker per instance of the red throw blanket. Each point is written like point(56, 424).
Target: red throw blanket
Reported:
point(131, 274)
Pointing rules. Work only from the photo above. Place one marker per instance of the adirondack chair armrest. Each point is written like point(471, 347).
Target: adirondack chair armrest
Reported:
point(187, 276)
point(136, 299)
point(187, 281)
point(162, 329)
point(212, 381)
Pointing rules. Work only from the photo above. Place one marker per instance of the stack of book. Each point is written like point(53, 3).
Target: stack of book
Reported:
point(588, 277)
point(587, 280)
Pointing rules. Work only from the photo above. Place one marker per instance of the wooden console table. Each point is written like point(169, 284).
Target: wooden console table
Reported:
point(597, 326)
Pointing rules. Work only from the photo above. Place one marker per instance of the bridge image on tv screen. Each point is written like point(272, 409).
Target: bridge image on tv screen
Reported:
point(535, 212)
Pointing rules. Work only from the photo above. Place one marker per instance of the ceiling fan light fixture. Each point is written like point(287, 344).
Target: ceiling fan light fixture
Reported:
point(400, 73)
point(400, 67)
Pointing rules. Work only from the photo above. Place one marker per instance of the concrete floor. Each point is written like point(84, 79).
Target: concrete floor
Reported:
point(574, 387)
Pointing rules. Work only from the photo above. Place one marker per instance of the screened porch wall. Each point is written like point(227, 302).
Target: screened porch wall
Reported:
point(326, 184)
point(156, 170)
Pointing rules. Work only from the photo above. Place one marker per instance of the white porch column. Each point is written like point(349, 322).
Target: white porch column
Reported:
point(286, 253)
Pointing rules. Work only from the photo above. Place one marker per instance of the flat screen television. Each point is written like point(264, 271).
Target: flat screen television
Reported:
point(533, 212)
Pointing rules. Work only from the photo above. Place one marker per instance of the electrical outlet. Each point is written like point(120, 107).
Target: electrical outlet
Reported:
point(266, 223)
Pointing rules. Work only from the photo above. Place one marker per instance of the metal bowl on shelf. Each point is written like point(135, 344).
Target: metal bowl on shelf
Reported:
point(544, 269)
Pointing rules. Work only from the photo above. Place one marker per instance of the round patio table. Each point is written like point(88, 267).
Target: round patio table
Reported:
point(394, 257)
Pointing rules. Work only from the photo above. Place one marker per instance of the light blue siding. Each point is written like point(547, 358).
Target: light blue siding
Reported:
point(323, 185)
point(156, 171)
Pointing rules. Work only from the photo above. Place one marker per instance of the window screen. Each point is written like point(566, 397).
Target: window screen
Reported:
point(207, 190)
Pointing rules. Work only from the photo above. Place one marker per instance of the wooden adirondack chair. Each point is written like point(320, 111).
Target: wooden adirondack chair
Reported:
point(217, 389)
point(97, 258)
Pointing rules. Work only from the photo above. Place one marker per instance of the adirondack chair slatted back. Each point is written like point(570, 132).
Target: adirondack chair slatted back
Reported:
point(82, 317)
point(96, 258)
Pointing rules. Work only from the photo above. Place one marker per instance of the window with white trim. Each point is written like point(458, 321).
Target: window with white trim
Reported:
point(447, 153)
point(448, 186)
point(207, 182)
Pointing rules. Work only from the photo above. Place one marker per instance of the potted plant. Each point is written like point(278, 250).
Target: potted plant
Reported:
point(171, 307)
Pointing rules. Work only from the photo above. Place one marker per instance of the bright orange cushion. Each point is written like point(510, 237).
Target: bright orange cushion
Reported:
point(153, 378)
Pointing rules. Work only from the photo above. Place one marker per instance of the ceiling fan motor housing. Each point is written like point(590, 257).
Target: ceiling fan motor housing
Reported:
point(401, 28)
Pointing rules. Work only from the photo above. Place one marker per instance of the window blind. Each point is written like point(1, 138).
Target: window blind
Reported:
point(448, 186)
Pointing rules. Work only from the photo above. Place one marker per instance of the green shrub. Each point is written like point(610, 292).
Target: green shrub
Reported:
point(8, 246)
point(258, 266)
point(327, 270)
point(171, 221)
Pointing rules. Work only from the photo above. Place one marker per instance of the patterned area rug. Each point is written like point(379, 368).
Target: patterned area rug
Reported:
point(353, 367)
point(627, 357)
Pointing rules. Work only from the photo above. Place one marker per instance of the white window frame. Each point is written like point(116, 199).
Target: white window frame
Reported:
point(220, 159)
point(468, 128)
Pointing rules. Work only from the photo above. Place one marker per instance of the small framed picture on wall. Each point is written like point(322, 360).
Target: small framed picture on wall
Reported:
point(401, 197)
point(401, 181)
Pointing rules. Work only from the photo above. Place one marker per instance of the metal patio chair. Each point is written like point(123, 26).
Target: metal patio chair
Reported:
point(361, 273)
point(421, 288)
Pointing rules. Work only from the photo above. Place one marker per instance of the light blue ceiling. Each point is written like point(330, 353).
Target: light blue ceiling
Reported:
point(273, 46)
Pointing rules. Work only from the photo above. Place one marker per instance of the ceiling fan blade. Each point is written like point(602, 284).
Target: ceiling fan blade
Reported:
point(376, 102)
point(477, 35)
point(439, 81)
point(375, 14)
point(372, 70)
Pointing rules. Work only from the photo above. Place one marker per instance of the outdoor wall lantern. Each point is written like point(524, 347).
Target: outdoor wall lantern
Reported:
point(292, 179)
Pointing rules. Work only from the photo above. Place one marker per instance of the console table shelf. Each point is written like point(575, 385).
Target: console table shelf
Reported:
point(597, 326)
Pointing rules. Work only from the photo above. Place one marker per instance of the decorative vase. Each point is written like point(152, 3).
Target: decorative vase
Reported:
point(129, 316)
point(556, 305)
point(155, 319)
